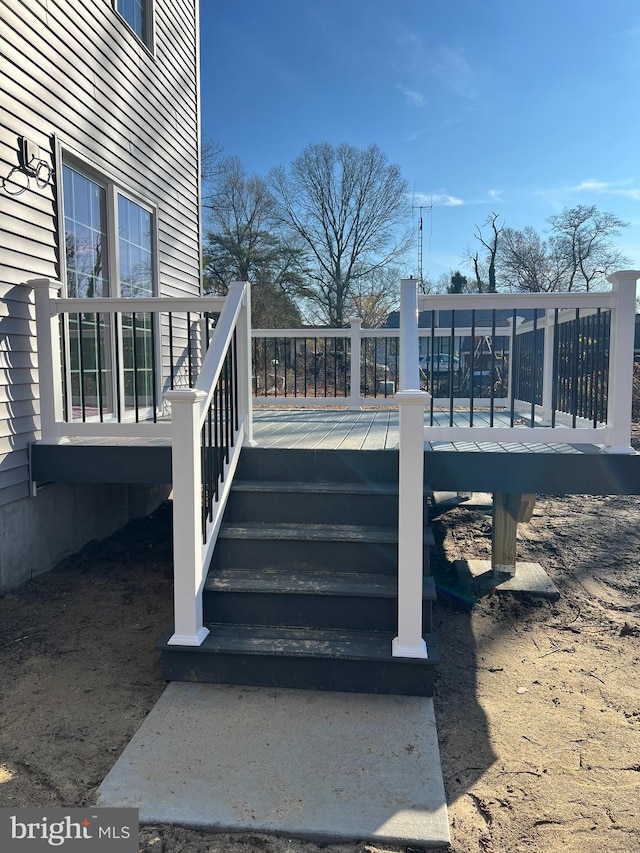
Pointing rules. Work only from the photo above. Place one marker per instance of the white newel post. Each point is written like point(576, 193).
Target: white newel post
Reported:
point(355, 366)
point(187, 516)
point(49, 359)
point(411, 401)
point(548, 377)
point(623, 285)
point(245, 391)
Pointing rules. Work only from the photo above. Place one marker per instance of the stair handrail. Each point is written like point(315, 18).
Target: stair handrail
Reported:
point(202, 475)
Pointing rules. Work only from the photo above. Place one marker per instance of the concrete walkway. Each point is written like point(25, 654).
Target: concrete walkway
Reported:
point(322, 766)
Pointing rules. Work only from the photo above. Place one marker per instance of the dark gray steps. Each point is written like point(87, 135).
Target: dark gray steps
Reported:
point(299, 502)
point(318, 466)
point(351, 661)
point(351, 548)
point(302, 588)
point(307, 598)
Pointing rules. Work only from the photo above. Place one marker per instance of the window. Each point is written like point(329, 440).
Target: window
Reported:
point(109, 250)
point(137, 13)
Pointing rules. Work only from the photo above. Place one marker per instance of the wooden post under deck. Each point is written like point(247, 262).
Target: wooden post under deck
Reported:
point(508, 511)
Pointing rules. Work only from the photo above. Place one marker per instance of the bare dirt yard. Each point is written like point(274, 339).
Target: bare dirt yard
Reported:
point(538, 703)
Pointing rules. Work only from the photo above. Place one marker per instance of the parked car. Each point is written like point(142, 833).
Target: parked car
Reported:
point(441, 362)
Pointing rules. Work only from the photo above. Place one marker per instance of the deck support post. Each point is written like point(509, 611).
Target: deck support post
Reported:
point(508, 511)
point(188, 577)
point(49, 358)
point(355, 367)
point(623, 285)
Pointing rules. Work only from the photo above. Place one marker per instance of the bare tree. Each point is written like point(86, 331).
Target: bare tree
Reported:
point(347, 206)
point(490, 243)
point(529, 263)
point(583, 237)
point(242, 243)
point(210, 160)
point(375, 297)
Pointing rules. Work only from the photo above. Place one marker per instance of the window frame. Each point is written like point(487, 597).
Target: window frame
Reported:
point(148, 39)
point(114, 189)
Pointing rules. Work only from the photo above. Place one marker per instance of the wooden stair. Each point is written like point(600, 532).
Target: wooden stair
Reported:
point(302, 589)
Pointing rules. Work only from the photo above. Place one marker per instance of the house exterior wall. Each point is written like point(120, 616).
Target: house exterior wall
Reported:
point(75, 78)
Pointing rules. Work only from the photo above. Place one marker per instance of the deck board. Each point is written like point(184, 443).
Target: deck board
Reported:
point(378, 429)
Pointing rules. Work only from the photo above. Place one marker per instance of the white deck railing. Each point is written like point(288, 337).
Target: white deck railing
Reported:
point(558, 309)
point(104, 364)
point(210, 423)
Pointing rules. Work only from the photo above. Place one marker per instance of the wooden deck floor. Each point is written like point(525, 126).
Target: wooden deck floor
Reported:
point(376, 429)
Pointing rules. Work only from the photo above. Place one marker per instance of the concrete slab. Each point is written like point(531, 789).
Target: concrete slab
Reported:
point(530, 578)
point(322, 766)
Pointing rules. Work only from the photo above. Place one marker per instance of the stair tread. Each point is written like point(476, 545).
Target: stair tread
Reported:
point(314, 532)
point(304, 642)
point(313, 582)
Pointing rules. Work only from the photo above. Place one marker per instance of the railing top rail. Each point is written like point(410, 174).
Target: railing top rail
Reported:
point(324, 333)
point(131, 305)
point(490, 301)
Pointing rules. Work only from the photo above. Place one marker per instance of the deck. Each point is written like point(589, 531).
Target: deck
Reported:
point(520, 467)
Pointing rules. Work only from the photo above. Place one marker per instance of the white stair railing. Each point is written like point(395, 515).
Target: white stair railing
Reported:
point(210, 423)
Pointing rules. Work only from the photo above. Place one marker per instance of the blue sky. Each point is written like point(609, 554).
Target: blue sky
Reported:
point(511, 106)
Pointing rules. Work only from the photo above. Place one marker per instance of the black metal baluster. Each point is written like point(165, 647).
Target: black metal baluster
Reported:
point(575, 368)
point(204, 510)
point(216, 441)
point(534, 367)
point(555, 378)
point(99, 366)
point(472, 365)
point(450, 370)
point(154, 371)
point(597, 377)
point(83, 408)
point(67, 392)
point(134, 344)
point(512, 358)
point(189, 350)
point(227, 403)
point(171, 366)
point(236, 407)
point(430, 388)
point(492, 375)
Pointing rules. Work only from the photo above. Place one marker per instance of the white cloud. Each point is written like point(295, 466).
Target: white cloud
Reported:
point(438, 198)
point(414, 98)
point(621, 189)
point(451, 66)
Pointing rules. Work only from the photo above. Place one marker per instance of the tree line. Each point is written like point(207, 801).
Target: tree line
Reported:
point(327, 238)
point(578, 253)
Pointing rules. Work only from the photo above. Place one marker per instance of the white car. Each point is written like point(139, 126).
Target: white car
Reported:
point(441, 362)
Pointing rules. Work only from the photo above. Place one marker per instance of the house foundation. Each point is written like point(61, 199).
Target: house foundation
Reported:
point(36, 533)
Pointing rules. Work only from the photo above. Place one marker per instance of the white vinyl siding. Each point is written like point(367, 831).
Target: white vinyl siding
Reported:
point(74, 73)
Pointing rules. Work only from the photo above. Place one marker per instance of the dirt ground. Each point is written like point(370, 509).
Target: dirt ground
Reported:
point(538, 703)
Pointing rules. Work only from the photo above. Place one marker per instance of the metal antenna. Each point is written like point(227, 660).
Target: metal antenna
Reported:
point(420, 208)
